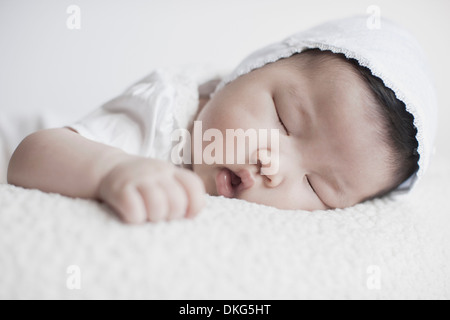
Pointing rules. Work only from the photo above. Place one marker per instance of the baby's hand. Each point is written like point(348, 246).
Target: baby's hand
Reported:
point(141, 189)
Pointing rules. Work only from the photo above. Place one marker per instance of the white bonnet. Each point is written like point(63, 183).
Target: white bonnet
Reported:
point(390, 52)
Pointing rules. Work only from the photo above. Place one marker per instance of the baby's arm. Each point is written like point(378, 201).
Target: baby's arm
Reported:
point(139, 189)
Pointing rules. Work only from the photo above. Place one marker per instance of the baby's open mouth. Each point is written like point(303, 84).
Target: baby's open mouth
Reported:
point(229, 183)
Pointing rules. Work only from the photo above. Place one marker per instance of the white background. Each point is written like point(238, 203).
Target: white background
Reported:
point(45, 67)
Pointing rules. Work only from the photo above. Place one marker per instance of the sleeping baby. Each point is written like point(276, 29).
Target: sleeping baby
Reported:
point(325, 119)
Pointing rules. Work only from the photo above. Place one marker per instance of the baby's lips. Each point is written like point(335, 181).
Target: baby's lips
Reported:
point(223, 183)
point(228, 183)
point(247, 180)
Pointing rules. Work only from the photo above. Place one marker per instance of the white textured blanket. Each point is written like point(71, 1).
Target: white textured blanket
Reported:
point(233, 250)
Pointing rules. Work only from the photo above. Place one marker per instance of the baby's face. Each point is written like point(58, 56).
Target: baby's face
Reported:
point(329, 151)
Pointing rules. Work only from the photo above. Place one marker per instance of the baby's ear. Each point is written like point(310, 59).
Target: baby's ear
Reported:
point(206, 88)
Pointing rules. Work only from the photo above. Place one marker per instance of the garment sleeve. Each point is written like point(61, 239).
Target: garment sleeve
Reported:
point(142, 119)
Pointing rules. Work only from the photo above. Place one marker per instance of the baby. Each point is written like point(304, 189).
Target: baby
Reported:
point(345, 133)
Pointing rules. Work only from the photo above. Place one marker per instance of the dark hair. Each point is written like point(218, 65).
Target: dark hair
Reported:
point(399, 124)
point(396, 121)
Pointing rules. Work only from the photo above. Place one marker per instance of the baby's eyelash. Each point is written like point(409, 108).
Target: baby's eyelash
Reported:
point(279, 118)
point(310, 185)
point(281, 121)
point(312, 188)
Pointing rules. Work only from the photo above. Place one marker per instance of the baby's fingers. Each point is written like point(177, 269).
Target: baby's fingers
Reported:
point(177, 198)
point(128, 204)
point(155, 202)
point(195, 191)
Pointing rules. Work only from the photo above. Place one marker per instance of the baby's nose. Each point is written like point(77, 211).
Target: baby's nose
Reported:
point(272, 180)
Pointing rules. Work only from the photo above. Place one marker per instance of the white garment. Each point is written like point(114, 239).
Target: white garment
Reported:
point(142, 119)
